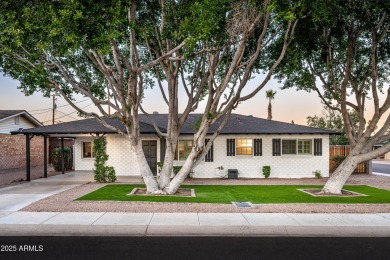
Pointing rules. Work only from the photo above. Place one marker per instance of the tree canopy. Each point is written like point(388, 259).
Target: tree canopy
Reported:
point(208, 49)
point(342, 52)
point(333, 120)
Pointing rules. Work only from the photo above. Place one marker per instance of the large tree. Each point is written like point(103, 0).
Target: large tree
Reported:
point(342, 52)
point(209, 49)
point(333, 120)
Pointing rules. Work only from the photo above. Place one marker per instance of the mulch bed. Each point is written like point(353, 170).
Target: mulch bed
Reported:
point(344, 193)
point(179, 192)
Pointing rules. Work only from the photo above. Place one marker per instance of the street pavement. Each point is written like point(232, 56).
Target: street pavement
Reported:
point(381, 167)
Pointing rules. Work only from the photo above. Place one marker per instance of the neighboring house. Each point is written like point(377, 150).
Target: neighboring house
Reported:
point(246, 143)
point(385, 156)
point(12, 147)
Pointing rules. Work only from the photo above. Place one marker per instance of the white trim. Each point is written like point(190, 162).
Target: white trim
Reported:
point(236, 146)
point(82, 150)
point(25, 113)
point(296, 147)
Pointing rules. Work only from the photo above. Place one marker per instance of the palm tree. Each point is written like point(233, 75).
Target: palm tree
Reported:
point(270, 94)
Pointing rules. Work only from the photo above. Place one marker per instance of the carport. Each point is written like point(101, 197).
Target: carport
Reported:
point(69, 130)
point(29, 136)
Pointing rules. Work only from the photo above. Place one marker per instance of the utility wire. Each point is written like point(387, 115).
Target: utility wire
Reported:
point(47, 110)
point(57, 106)
point(65, 115)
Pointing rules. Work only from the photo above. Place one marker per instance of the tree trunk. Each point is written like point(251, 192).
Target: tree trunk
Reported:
point(175, 183)
point(165, 174)
point(146, 173)
point(340, 176)
point(269, 111)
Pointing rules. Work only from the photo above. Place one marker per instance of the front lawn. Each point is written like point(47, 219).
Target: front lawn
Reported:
point(257, 194)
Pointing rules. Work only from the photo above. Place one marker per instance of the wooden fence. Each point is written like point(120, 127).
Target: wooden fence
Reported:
point(343, 150)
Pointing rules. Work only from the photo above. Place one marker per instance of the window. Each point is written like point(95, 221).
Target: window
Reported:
point(300, 146)
point(87, 150)
point(244, 147)
point(289, 146)
point(183, 149)
point(17, 120)
point(304, 146)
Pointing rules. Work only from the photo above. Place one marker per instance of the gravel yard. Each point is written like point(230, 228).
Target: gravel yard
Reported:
point(64, 202)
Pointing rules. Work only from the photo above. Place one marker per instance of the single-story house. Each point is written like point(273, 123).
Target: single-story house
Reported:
point(12, 147)
point(246, 143)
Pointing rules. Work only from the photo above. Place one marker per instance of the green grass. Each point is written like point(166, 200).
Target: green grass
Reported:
point(253, 193)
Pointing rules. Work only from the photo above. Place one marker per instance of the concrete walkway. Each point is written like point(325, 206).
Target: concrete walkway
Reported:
point(192, 224)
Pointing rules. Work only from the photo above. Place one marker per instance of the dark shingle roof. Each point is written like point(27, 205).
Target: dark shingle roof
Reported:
point(86, 126)
point(8, 113)
point(237, 124)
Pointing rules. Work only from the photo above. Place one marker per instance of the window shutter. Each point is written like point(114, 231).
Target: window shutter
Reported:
point(162, 149)
point(230, 147)
point(317, 146)
point(276, 147)
point(258, 147)
point(210, 154)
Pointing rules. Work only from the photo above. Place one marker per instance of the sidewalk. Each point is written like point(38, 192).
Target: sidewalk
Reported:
point(192, 224)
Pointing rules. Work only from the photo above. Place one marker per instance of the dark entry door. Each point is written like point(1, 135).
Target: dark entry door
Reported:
point(150, 151)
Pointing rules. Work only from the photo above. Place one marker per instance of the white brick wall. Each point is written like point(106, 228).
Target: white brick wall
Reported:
point(121, 156)
point(80, 163)
point(285, 166)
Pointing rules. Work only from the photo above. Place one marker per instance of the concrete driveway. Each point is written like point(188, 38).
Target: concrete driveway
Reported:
point(16, 197)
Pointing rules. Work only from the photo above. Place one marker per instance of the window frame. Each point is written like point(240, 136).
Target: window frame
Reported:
point(297, 141)
point(296, 147)
point(177, 154)
point(246, 146)
point(17, 120)
point(311, 146)
point(82, 150)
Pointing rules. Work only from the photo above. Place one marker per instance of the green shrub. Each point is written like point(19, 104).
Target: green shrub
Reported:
point(266, 171)
point(175, 169)
point(317, 174)
point(336, 161)
point(160, 166)
point(102, 172)
point(56, 158)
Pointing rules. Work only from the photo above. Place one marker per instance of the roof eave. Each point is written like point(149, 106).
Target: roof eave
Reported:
point(29, 117)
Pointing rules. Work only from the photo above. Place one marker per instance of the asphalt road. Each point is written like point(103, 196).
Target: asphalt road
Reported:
point(381, 168)
point(188, 248)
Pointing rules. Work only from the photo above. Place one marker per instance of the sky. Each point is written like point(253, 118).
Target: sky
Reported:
point(288, 104)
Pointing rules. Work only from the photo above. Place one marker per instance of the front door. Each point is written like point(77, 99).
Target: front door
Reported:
point(150, 151)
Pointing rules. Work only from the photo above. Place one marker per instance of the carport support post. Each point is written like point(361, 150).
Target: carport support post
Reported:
point(62, 156)
point(44, 156)
point(28, 170)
